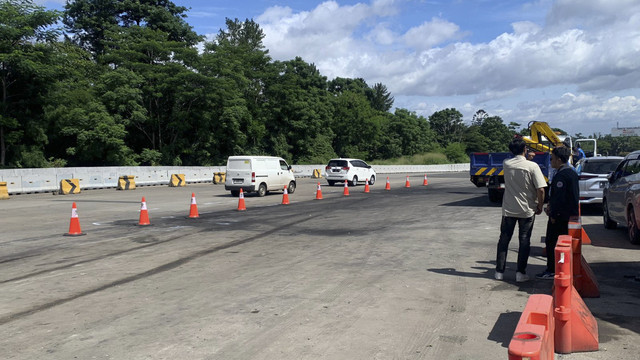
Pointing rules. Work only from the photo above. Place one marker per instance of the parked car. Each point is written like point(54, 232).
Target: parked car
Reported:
point(352, 170)
point(593, 174)
point(258, 173)
point(621, 197)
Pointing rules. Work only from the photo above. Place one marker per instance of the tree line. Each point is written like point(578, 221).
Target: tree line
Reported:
point(129, 82)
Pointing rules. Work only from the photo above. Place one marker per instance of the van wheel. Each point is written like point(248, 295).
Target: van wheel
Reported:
point(262, 190)
point(608, 223)
point(354, 182)
point(632, 227)
point(292, 187)
point(235, 193)
point(372, 180)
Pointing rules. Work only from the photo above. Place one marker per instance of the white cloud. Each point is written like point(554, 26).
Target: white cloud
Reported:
point(589, 46)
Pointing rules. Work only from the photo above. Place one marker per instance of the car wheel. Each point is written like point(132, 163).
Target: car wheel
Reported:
point(262, 190)
point(608, 223)
point(372, 180)
point(235, 193)
point(354, 182)
point(632, 227)
point(292, 187)
point(331, 182)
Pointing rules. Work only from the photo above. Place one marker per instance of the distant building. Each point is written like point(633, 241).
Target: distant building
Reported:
point(629, 131)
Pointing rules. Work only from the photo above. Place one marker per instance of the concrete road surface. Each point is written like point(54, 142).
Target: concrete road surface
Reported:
point(400, 274)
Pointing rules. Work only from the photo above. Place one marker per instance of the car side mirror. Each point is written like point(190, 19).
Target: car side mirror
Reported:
point(611, 177)
point(289, 167)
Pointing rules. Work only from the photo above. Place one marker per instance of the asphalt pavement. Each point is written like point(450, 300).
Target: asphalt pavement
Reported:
point(399, 274)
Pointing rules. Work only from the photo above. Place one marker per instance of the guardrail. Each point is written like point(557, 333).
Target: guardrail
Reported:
point(25, 181)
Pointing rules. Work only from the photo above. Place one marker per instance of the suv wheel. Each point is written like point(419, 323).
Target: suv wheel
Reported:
point(632, 227)
point(235, 193)
point(606, 219)
point(262, 190)
point(354, 182)
point(331, 182)
point(372, 180)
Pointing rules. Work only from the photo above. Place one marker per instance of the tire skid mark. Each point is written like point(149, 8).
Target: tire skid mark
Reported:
point(154, 271)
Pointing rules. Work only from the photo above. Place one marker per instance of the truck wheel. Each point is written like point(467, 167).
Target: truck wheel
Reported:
point(494, 195)
point(262, 190)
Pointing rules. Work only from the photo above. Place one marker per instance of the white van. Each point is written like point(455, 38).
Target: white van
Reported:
point(258, 173)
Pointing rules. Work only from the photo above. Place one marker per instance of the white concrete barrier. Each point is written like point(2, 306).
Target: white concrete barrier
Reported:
point(23, 181)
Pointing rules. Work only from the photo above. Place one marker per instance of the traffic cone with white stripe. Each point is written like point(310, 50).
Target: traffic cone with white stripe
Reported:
point(346, 189)
point(406, 183)
point(388, 186)
point(241, 206)
point(74, 224)
point(366, 186)
point(193, 210)
point(425, 182)
point(144, 213)
point(285, 196)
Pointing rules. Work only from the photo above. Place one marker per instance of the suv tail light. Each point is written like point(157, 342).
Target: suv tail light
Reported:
point(327, 167)
point(345, 168)
point(253, 177)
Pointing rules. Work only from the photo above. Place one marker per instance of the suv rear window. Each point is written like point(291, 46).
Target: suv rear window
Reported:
point(600, 166)
point(338, 163)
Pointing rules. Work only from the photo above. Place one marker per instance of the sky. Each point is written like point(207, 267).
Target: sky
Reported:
point(572, 63)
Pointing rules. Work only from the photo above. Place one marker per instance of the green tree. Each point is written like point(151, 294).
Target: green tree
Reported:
point(27, 69)
point(380, 98)
point(448, 126)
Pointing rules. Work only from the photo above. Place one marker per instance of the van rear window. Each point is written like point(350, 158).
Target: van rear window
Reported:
point(239, 164)
point(338, 163)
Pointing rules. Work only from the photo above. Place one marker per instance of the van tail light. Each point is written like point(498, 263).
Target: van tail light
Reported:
point(253, 177)
point(346, 168)
point(585, 177)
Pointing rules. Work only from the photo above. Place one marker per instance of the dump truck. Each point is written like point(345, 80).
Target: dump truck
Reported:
point(486, 168)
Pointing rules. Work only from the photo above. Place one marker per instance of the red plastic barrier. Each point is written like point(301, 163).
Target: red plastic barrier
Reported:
point(584, 280)
point(575, 327)
point(533, 338)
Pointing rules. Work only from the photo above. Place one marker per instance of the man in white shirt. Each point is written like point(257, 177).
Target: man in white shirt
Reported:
point(523, 199)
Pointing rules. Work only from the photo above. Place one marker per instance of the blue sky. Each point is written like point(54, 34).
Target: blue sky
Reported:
point(572, 63)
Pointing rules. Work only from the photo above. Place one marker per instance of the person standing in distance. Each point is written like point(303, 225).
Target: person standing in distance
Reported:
point(564, 196)
point(523, 199)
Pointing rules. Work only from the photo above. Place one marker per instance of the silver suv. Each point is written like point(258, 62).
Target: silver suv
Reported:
point(593, 172)
point(621, 197)
point(352, 170)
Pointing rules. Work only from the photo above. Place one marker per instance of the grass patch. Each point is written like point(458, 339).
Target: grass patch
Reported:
point(418, 159)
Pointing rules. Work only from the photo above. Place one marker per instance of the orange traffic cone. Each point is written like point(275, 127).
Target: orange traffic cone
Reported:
point(366, 186)
point(241, 206)
point(144, 213)
point(285, 196)
point(346, 189)
point(586, 240)
point(319, 193)
point(388, 186)
point(193, 210)
point(74, 224)
point(407, 184)
point(425, 182)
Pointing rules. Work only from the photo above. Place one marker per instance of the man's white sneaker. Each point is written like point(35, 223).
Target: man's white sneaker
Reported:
point(520, 277)
point(499, 275)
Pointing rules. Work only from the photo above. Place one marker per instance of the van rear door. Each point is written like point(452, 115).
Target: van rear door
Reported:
point(239, 172)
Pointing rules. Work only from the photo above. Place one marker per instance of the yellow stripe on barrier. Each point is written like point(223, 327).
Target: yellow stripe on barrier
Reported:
point(501, 173)
point(69, 186)
point(177, 180)
point(316, 174)
point(219, 178)
point(126, 182)
point(4, 191)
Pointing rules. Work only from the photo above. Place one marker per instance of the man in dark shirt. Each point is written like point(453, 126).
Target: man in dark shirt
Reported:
point(564, 196)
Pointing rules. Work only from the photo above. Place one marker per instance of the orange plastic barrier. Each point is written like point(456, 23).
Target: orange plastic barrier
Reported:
point(576, 231)
point(575, 329)
point(584, 280)
point(533, 338)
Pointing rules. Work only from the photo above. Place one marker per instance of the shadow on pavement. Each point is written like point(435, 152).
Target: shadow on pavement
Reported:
point(610, 238)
